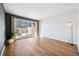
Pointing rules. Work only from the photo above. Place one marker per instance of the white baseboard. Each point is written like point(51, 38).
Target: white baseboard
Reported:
point(2, 51)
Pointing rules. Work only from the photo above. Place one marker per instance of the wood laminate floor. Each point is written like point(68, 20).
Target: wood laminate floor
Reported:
point(36, 46)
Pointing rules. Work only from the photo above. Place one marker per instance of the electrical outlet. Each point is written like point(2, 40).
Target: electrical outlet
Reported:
point(69, 40)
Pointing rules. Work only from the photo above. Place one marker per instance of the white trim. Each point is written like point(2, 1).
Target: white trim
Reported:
point(2, 51)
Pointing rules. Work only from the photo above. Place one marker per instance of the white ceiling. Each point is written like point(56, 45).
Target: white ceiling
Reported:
point(38, 11)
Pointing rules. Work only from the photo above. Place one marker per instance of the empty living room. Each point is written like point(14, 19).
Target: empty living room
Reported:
point(39, 29)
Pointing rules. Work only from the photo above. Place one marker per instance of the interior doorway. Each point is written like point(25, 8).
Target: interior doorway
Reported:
point(24, 28)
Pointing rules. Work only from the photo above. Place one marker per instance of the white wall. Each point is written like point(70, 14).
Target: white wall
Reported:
point(56, 28)
point(78, 31)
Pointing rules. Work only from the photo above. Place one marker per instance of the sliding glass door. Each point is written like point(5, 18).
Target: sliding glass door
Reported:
point(24, 28)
